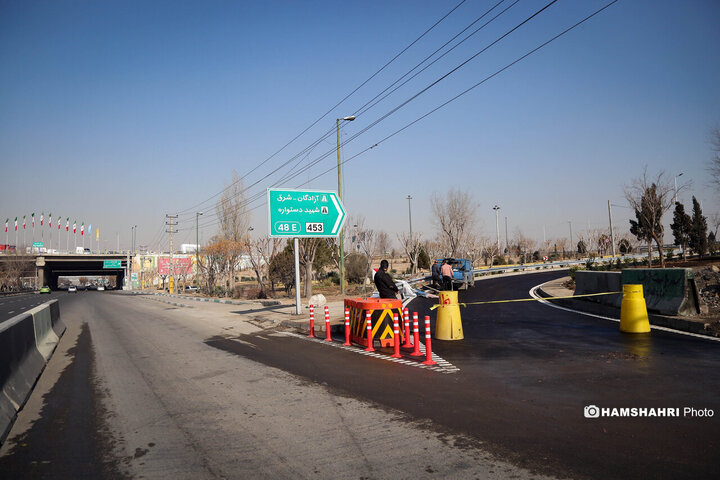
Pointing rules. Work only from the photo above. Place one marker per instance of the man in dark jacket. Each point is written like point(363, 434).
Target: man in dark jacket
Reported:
point(436, 275)
point(384, 282)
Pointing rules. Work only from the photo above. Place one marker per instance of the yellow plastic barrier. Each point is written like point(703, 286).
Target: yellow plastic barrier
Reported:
point(449, 323)
point(633, 311)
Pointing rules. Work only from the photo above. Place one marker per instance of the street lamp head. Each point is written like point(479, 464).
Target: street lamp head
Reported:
point(349, 119)
point(680, 174)
point(198, 213)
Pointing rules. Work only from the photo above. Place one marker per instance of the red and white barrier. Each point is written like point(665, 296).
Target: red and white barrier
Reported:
point(368, 321)
point(312, 321)
point(328, 338)
point(347, 327)
point(428, 345)
point(396, 337)
point(406, 330)
point(416, 336)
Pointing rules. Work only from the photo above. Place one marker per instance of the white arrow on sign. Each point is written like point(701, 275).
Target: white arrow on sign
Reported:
point(340, 216)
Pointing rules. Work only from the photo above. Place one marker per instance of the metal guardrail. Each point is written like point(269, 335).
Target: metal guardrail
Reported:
point(523, 267)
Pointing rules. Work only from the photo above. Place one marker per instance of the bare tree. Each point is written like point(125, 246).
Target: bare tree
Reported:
point(522, 245)
point(411, 247)
point(261, 250)
point(433, 248)
point(308, 249)
point(234, 220)
point(714, 223)
point(384, 243)
point(561, 243)
point(651, 198)
point(454, 215)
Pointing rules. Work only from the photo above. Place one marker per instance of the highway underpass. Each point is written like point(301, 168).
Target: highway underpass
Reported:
point(51, 267)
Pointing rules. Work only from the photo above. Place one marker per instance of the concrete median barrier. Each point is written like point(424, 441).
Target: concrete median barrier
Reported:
point(589, 282)
point(26, 343)
point(668, 291)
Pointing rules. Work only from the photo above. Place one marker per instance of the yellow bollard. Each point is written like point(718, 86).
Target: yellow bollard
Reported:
point(449, 323)
point(633, 311)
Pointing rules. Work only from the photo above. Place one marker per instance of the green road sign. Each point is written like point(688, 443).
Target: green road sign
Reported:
point(37, 244)
point(304, 213)
point(112, 263)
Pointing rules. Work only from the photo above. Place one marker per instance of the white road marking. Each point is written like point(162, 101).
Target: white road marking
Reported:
point(442, 366)
point(533, 293)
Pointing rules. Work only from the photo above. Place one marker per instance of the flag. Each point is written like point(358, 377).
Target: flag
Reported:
point(23, 222)
point(33, 219)
point(59, 221)
point(16, 224)
point(42, 215)
point(74, 227)
point(82, 229)
point(97, 234)
point(7, 220)
point(90, 229)
point(50, 221)
point(67, 224)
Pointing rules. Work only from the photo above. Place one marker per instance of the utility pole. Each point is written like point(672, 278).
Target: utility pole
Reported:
point(171, 280)
point(612, 235)
point(342, 248)
point(412, 245)
point(506, 235)
point(497, 227)
point(410, 216)
point(197, 250)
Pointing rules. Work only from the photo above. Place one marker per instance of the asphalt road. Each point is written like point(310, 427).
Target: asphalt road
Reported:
point(527, 372)
point(11, 305)
point(139, 389)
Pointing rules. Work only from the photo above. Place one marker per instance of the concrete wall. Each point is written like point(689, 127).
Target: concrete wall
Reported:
point(588, 282)
point(26, 344)
point(668, 291)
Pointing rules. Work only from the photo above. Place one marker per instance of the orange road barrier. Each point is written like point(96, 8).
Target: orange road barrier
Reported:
point(406, 331)
point(428, 345)
point(312, 321)
point(381, 312)
point(396, 337)
point(368, 316)
point(347, 327)
point(416, 336)
point(328, 338)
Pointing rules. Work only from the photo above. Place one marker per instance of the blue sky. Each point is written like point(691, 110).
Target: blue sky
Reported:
point(117, 112)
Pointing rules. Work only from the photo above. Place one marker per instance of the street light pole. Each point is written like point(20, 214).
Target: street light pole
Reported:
point(342, 249)
point(612, 234)
point(497, 226)
point(676, 177)
point(197, 250)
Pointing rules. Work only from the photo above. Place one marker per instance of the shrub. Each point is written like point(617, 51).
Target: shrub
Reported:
point(355, 268)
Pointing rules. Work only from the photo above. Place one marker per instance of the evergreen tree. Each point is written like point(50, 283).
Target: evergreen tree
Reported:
point(698, 231)
point(581, 247)
point(681, 226)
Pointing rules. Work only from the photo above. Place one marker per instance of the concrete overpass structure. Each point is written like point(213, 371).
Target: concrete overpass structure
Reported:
point(48, 268)
point(52, 267)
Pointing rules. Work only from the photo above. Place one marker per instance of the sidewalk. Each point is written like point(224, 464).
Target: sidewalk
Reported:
point(267, 313)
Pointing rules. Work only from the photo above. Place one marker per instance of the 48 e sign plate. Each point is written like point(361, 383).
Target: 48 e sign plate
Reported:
point(304, 213)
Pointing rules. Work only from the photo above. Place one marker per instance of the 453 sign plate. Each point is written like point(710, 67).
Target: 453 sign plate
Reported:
point(304, 213)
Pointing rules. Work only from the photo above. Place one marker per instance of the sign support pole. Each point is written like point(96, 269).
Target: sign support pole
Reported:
point(296, 247)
